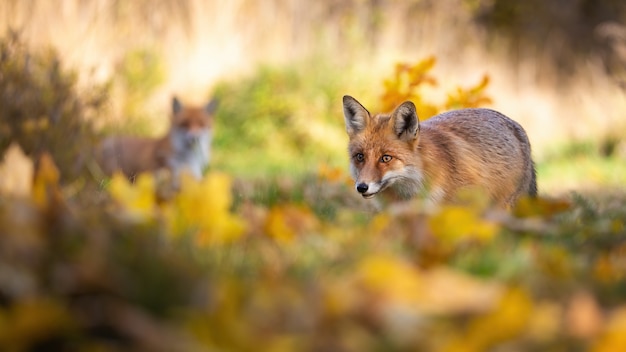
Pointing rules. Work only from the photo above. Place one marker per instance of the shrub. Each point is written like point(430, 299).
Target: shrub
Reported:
point(42, 109)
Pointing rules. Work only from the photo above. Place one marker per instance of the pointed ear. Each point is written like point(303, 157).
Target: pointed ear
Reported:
point(406, 125)
point(211, 106)
point(355, 115)
point(176, 105)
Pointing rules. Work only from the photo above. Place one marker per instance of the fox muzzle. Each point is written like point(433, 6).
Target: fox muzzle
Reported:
point(362, 187)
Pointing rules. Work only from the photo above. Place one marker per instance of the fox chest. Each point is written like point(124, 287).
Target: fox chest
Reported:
point(191, 155)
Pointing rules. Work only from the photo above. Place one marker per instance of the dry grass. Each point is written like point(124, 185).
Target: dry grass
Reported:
point(202, 42)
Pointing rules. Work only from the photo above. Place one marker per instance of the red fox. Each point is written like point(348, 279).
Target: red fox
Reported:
point(187, 145)
point(400, 157)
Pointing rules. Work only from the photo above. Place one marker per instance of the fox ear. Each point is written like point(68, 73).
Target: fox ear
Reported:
point(176, 105)
point(355, 115)
point(406, 125)
point(211, 106)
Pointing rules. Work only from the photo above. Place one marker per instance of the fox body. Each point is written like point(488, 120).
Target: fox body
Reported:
point(398, 156)
point(186, 146)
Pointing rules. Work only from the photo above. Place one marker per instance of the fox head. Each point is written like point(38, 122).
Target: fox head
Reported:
point(382, 148)
point(190, 136)
point(192, 125)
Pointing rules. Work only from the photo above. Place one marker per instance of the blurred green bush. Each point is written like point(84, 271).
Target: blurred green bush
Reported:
point(43, 109)
point(280, 119)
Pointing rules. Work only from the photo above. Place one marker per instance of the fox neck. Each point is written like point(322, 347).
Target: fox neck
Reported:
point(193, 156)
point(424, 172)
point(410, 185)
point(437, 162)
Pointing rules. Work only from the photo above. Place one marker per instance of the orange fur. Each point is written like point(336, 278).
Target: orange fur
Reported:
point(397, 156)
point(185, 146)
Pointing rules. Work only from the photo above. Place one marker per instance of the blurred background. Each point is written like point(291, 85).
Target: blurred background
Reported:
point(273, 250)
point(280, 68)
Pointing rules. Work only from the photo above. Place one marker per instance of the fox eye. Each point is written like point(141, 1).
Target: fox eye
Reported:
point(385, 158)
point(359, 157)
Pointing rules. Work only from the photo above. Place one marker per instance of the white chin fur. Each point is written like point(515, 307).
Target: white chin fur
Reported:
point(406, 182)
point(372, 189)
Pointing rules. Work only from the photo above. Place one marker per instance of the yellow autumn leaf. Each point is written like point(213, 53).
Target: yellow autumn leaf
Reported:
point(545, 321)
point(543, 207)
point(471, 97)
point(455, 224)
point(400, 295)
point(203, 207)
point(333, 174)
point(380, 222)
point(434, 291)
point(391, 278)
point(285, 222)
point(425, 110)
point(46, 185)
point(225, 328)
point(285, 343)
point(509, 319)
point(139, 199)
point(276, 226)
point(613, 338)
point(418, 73)
point(605, 270)
point(405, 83)
point(340, 297)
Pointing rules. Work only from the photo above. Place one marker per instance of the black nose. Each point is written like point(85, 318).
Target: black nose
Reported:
point(361, 187)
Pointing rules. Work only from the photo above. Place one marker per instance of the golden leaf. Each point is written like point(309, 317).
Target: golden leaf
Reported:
point(471, 97)
point(540, 206)
point(285, 222)
point(46, 186)
point(380, 222)
point(405, 83)
point(333, 174)
point(391, 278)
point(401, 295)
point(454, 224)
point(138, 200)
point(203, 207)
point(509, 319)
point(545, 321)
point(340, 297)
point(613, 337)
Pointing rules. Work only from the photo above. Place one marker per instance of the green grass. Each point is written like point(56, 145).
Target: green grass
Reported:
point(581, 167)
point(284, 120)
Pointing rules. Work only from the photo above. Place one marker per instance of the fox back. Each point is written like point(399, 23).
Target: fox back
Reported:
point(186, 146)
point(399, 156)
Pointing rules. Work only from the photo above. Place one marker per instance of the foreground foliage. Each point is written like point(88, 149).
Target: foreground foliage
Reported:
point(286, 264)
point(40, 106)
point(306, 267)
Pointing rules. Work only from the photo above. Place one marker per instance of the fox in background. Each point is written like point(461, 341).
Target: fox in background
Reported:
point(397, 156)
point(186, 146)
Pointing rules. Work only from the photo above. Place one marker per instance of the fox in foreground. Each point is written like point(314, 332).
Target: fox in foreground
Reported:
point(186, 146)
point(397, 156)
